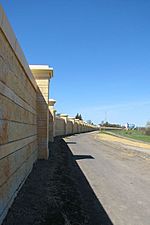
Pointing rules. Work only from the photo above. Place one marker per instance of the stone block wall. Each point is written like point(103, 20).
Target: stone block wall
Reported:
point(42, 126)
point(52, 112)
point(42, 75)
point(27, 118)
point(75, 127)
point(60, 126)
point(65, 126)
point(18, 117)
point(69, 127)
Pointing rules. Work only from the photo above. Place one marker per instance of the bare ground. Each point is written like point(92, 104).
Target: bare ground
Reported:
point(50, 196)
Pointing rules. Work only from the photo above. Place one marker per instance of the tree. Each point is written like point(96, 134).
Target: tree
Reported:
point(89, 121)
point(78, 116)
point(147, 130)
point(107, 124)
point(148, 124)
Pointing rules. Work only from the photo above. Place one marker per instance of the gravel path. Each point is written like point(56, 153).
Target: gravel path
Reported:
point(119, 177)
point(86, 181)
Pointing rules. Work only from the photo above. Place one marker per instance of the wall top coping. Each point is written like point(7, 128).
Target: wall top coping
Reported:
point(77, 120)
point(13, 42)
point(51, 102)
point(71, 118)
point(41, 71)
point(63, 115)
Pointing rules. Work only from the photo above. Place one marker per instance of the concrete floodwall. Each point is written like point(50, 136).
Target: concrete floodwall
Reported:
point(18, 117)
point(60, 126)
point(51, 126)
point(42, 75)
point(65, 126)
point(69, 127)
point(75, 127)
point(27, 122)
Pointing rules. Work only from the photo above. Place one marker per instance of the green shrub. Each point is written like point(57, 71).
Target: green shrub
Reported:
point(147, 131)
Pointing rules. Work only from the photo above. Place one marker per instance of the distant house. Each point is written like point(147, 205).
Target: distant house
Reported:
point(130, 126)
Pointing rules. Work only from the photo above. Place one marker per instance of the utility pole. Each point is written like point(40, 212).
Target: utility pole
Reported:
point(106, 117)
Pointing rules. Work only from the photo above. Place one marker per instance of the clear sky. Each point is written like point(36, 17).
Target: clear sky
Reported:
point(99, 49)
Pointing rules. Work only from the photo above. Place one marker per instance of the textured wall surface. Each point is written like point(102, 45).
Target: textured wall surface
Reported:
point(51, 126)
point(65, 126)
point(75, 128)
point(42, 126)
point(26, 124)
point(69, 127)
point(42, 75)
point(60, 126)
point(18, 128)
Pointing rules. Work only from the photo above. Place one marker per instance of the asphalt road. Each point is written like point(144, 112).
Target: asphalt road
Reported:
point(120, 179)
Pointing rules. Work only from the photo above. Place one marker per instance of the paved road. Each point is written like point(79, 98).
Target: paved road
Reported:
point(119, 178)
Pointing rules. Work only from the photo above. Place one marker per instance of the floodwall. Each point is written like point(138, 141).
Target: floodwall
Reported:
point(42, 75)
point(27, 123)
point(65, 126)
point(75, 127)
point(51, 127)
point(18, 117)
point(60, 126)
point(69, 127)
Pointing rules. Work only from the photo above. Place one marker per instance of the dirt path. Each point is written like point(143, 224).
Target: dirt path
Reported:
point(126, 141)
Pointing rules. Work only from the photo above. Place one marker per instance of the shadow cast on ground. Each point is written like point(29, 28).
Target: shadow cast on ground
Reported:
point(71, 142)
point(57, 193)
point(80, 157)
point(95, 210)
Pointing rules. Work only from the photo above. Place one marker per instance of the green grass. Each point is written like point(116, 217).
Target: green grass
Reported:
point(134, 134)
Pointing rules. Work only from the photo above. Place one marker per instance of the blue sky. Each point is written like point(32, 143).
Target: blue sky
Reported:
point(100, 51)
